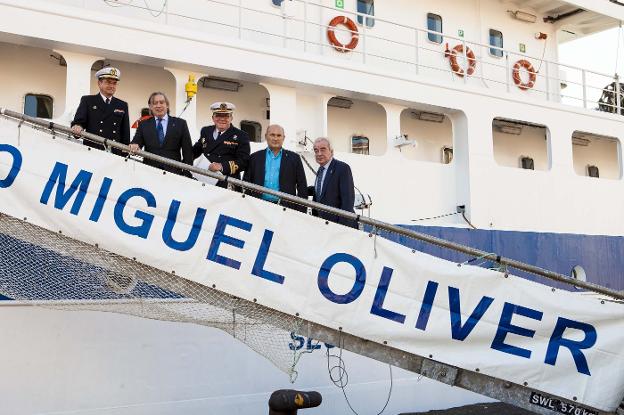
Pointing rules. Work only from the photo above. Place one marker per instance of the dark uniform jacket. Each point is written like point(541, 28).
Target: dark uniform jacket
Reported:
point(177, 145)
point(292, 179)
point(337, 191)
point(231, 149)
point(106, 120)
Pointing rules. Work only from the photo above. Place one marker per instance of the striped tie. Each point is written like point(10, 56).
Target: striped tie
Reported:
point(319, 182)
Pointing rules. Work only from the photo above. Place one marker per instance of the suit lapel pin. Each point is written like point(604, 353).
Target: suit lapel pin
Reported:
point(235, 137)
point(94, 107)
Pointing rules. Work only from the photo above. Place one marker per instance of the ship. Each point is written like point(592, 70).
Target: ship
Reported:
point(456, 118)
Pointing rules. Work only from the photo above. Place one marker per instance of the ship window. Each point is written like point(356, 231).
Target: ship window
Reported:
point(253, 130)
point(496, 39)
point(277, 2)
point(590, 150)
point(366, 7)
point(359, 144)
point(527, 163)
point(434, 23)
point(40, 106)
point(521, 144)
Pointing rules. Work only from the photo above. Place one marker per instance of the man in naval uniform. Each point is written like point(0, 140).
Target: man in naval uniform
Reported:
point(103, 114)
point(225, 146)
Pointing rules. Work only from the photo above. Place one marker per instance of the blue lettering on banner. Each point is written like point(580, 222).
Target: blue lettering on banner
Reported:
point(58, 179)
point(220, 237)
point(146, 219)
point(427, 304)
point(505, 327)
point(73, 190)
point(575, 347)
point(16, 165)
point(299, 342)
point(172, 217)
point(358, 284)
point(258, 268)
point(380, 296)
point(459, 332)
point(101, 199)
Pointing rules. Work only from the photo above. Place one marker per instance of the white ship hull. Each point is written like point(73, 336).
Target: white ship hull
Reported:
point(61, 362)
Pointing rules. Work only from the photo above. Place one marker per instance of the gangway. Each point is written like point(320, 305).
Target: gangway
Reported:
point(581, 372)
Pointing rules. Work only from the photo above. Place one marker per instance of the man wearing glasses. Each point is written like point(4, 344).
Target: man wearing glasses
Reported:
point(225, 146)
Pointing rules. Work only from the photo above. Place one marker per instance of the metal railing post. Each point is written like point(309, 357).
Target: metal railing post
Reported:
point(507, 72)
point(584, 82)
point(363, 38)
point(466, 65)
point(240, 19)
point(305, 25)
point(618, 98)
point(285, 28)
point(547, 81)
point(416, 51)
point(323, 28)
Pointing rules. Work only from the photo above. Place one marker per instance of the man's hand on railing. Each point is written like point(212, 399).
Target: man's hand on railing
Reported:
point(134, 148)
point(215, 167)
point(77, 129)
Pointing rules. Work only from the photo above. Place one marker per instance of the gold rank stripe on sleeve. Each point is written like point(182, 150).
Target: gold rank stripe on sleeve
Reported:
point(233, 167)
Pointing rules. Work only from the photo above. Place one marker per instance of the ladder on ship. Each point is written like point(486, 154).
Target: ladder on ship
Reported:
point(182, 299)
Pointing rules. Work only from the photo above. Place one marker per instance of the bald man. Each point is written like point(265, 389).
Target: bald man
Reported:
point(278, 169)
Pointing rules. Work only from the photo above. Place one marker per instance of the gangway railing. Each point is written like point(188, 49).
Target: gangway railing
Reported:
point(374, 223)
point(302, 30)
point(520, 395)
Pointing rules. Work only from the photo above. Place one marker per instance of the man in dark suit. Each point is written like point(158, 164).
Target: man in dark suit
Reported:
point(278, 169)
point(164, 135)
point(225, 146)
point(103, 114)
point(333, 185)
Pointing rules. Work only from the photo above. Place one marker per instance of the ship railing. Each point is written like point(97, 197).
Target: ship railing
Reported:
point(375, 226)
point(410, 51)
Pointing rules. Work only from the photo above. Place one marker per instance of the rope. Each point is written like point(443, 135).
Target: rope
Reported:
point(479, 258)
point(467, 221)
point(436, 217)
point(188, 102)
point(617, 51)
point(115, 3)
point(375, 233)
point(342, 380)
point(542, 59)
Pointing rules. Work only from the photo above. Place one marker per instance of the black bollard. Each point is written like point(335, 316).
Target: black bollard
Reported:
point(289, 401)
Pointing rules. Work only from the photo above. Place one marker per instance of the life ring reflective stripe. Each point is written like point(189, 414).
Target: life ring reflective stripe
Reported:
point(331, 34)
point(523, 63)
point(452, 54)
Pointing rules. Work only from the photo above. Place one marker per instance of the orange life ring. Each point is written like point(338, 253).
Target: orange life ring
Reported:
point(331, 34)
point(523, 63)
point(452, 54)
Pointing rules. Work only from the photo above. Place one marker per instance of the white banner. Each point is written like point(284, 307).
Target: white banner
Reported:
point(558, 342)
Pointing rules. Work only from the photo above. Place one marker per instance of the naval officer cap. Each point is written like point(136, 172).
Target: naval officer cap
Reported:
point(222, 108)
point(108, 73)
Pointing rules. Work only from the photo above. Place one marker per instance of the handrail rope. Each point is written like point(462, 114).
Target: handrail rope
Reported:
point(16, 116)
